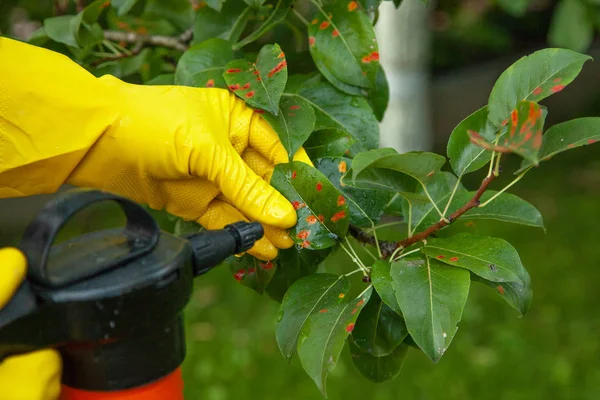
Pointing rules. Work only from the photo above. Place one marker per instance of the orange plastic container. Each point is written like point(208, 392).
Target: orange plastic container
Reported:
point(167, 388)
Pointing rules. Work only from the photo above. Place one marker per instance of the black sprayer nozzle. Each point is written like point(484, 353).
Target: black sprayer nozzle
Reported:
point(212, 247)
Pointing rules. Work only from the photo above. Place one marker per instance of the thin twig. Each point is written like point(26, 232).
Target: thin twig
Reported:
point(386, 248)
point(172, 42)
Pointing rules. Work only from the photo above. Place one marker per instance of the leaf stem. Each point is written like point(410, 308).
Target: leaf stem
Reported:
point(376, 240)
point(353, 272)
point(451, 196)
point(300, 17)
point(398, 250)
point(497, 168)
point(405, 254)
point(355, 259)
point(431, 200)
point(409, 218)
point(111, 47)
point(517, 179)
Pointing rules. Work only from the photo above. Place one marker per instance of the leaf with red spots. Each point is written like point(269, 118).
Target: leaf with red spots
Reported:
point(259, 84)
point(251, 272)
point(325, 334)
point(365, 206)
point(328, 142)
point(227, 23)
point(565, 136)
point(379, 329)
point(515, 294)
point(344, 35)
point(202, 65)
point(493, 259)
point(293, 123)
point(524, 136)
point(332, 219)
point(276, 16)
point(432, 297)
point(550, 70)
point(305, 298)
point(378, 369)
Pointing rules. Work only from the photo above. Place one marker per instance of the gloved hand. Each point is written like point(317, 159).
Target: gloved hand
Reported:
point(32, 376)
point(191, 151)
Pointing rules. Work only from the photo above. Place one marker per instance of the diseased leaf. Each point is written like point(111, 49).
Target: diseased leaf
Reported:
point(328, 143)
point(517, 295)
point(322, 209)
point(313, 294)
point(491, 258)
point(365, 206)
point(566, 136)
point(203, 64)
point(378, 369)
point(572, 26)
point(380, 94)
point(432, 297)
point(342, 34)
point(533, 78)
point(260, 84)
point(323, 337)
point(251, 272)
point(227, 24)
point(277, 16)
point(524, 134)
point(335, 109)
point(293, 264)
point(379, 330)
point(382, 282)
point(294, 122)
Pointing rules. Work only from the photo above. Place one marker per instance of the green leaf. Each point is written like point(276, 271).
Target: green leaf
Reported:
point(342, 34)
point(276, 17)
point(323, 337)
point(313, 294)
point(178, 12)
point(378, 369)
point(251, 272)
point(533, 78)
point(293, 123)
point(203, 64)
point(379, 329)
point(517, 295)
point(322, 209)
point(328, 142)
point(466, 157)
point(227, 24)
point(293, 264)
point(565, 136)
point(124, 67)
point(369, 5)
point(382, 281)
point(365, 206)
point(163, 79)
point(380, 94)
point(572, 26)
point(335, 109)
point(516, 8)
point(123, 6)
point(493, 259)
point(254, 3)
point(216, 5)
point(432, 297)
point(260, 84)
point(59, 30)
point(524, 134)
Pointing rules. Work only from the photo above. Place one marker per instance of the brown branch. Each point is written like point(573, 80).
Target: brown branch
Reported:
point(172, 42)
point(387, 248)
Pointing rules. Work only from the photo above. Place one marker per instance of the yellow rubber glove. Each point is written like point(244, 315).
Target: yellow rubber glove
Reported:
point(32, 376)
point(171, 147)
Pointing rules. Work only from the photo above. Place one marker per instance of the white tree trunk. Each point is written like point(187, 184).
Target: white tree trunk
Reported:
point(404, 49)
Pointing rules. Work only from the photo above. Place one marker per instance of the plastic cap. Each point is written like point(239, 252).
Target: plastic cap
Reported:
point(246, 234)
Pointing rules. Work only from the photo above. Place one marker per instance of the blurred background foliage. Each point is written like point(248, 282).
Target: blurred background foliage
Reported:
point(551, 353)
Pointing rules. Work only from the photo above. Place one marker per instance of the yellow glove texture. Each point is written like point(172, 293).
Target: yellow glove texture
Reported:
point(201, 154)
point(32, 376)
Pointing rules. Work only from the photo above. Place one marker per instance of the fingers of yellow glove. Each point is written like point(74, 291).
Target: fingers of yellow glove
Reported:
point(220, 213)
point(301, 155)
point(13, 267)
point(249, 193)
point(266, 141)
point(31, 376)
point(240, 119)
point(257, 163)
point(279, 237)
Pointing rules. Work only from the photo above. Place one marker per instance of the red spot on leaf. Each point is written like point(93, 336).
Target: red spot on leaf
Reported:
point(319, 186)
point(453, 259)
point(469, 224)
point(281, 55)
point(440, 257)
point(591, 141)
point(255, 72)
point(123, 25)
point(537, 91)
point(311, 40)
point(323, 311)
point(430, 174)
point(233, 70)
point(500, 289)
point(251, 270)
point(355, 310)
point(305, 244)
point(342, 167)
point(557, 88)
point(239, 275)
point(268, 265)
point(505, 122)
point(297, 205)
point(321, 218)
point(338, 215)
point(350, 327)
point(311, 220)
point(360, 303)
point(570, 145)
point(105, 4)
point(324, 25)
point(295, 107)
point(246, 85)
point(258, 79)
point(249, 94)
point(235, 87)
point(335, 33)
point(341, 296)
point(556, 80)
point(294, 174)
point(142, 30)
point(352, 6)
point(259, 111)
point(303, 234)
point(374, 56)
point(291, 115)
point(210, 83)
point(341, 200)
point(277, 68)
point(315, 21)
